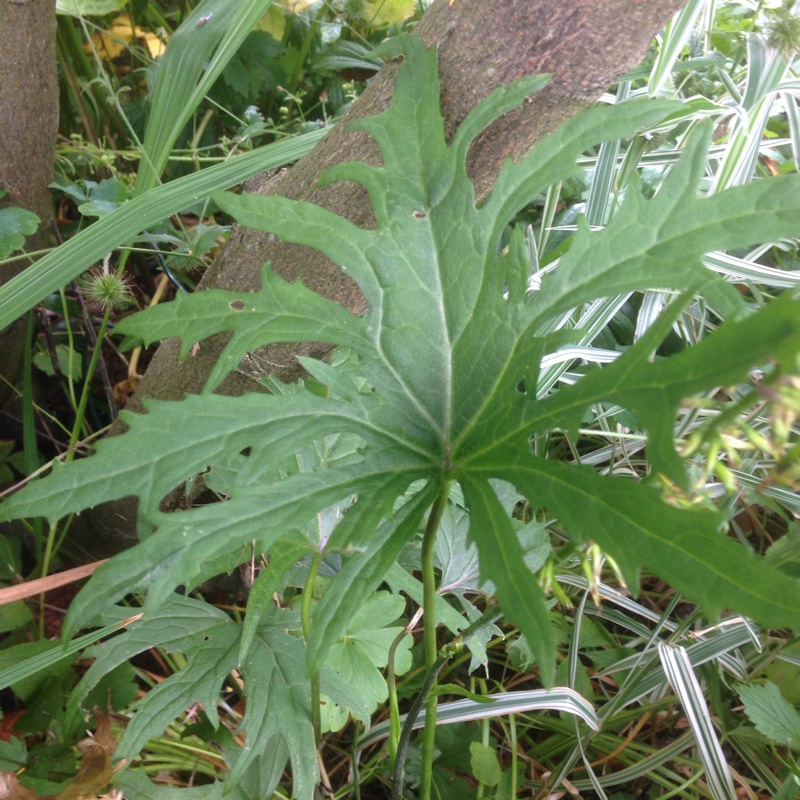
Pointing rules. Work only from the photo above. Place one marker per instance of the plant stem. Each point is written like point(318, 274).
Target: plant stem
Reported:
point(30, 445)
point(80, 412)
point(305, 617)
point(394, 707)
point(429, 635)
point(87, 387)
point(488, 618)
point(395, 727)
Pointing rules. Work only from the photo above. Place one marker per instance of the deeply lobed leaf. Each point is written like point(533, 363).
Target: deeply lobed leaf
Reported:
point(445, 388)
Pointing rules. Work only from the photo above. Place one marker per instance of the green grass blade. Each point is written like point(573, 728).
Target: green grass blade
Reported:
point(197, 53)
point(30, 666)
point(69, 260)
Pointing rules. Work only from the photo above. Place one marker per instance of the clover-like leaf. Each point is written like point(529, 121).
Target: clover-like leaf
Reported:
point(15, 224)
point(359, 656)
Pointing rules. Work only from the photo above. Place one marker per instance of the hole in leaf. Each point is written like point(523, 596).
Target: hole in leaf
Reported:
point(419, 215)
point(236, 305)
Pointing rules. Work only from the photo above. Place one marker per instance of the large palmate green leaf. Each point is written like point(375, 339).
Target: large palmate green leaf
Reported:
point(443, 385)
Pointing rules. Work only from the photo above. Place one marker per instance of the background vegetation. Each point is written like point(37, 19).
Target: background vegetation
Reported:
point(712, 716)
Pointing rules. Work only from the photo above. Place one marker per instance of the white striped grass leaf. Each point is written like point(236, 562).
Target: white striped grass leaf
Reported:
point(692, 326)
point(632, 443)
point(76, 255)
point(653, 303)
point(680, 674)
point(616, 597)
point(591, 322)
point(644, 766)
point(602, 416)
point(766, 67)
point(551, 201)
point(643, 72)
point(612, 616)
point(753, 755)
point(587, 765)
point(535, 280)
point(574, 641)
point(669, 156)
point(675, 36)
point(558, 699)
point(58, 652)
point(790, 658)
point(196, 54)
point(735, 664)
point(651, 676)
point(574, 665)
point(694, 109)
point(595, 317)
point(729, 635)
point(601, 191)
point(786, 497)
point(706, 23)
point(716, 648)
point(744, 145)
point(701, 652)
point(647, 761)
point(744, 270)
point(793, 118)
point(753, 630)
point(594, 355)
point(643, 663)
point(533, 247)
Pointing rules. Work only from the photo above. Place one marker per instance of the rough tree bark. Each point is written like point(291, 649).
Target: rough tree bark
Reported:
point(483, 44)
point(28, 129)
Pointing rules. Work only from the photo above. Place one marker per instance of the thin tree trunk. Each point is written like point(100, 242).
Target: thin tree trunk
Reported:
point(28, 128)
point(483, 44)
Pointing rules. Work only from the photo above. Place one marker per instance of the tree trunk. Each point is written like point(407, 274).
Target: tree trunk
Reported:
point(28, 128)
point(483, 44)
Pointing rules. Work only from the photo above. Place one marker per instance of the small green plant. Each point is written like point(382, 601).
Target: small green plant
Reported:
point(15, 224)
point(442, 392)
